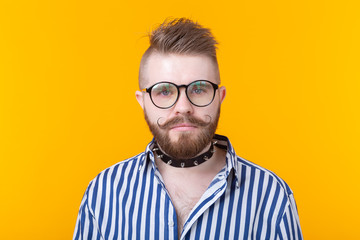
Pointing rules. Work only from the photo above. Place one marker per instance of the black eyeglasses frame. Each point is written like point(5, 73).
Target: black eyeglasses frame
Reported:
point(215, 86)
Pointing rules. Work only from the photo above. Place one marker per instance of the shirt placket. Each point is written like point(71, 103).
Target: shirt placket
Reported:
point(172, 219)
point(213, 193)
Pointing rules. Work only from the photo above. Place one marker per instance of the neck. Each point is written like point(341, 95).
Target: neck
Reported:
point(185, 163)
point(212, 166)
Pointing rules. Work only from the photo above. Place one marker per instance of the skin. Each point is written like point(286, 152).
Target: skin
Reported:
point(183, 69)
point(179, 69)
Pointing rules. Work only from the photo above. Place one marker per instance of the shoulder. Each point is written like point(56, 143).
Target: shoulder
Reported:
point(115, 176)
point(271, 199)
point(262, 175)
point(250, 173)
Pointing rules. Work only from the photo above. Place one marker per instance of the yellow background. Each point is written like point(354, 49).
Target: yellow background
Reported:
point(68, 73)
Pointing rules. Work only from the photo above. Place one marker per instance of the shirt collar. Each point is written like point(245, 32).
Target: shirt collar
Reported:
point(148, 155)
point(231, 159)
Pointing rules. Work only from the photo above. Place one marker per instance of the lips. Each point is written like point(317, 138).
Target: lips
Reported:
point(183, 122)
point(183, 127)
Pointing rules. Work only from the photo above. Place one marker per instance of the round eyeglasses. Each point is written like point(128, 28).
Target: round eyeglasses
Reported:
point(165, 94)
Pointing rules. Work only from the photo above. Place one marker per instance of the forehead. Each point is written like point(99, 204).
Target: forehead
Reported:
point(179, 69)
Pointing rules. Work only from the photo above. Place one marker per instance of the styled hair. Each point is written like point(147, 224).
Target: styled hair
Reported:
point(180, 36)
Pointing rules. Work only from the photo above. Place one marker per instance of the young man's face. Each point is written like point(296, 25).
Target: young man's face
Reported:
point(188, 128)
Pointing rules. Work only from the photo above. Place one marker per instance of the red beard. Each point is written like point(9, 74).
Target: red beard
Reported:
point(187, 145)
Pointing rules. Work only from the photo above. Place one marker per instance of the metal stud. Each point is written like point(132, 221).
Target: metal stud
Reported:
point(169, 162)
point(196, 163)
point(160, 155)
point(182, 164)
point(206, 158)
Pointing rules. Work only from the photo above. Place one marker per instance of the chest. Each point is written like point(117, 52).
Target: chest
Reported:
point(185, 193)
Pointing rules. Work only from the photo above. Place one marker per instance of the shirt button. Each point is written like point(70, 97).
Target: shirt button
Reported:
point(171, 223)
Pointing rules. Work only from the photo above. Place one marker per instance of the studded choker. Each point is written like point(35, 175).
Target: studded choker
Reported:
point(185, 163)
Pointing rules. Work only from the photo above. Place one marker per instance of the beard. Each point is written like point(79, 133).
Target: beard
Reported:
point(188, 144)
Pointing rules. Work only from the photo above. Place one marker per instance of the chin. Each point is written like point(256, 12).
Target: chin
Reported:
point(176, 135)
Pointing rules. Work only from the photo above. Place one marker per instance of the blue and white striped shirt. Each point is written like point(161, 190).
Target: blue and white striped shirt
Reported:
point(244, 201)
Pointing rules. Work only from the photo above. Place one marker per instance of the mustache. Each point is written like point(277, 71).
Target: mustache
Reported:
point(188, 119)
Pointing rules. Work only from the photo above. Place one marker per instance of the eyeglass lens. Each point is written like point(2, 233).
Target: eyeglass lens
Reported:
point(199, 93)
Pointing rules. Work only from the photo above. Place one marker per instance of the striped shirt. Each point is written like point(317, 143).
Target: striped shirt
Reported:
point(244, 201)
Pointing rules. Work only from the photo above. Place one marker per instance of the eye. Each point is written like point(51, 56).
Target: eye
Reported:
point(198, 90)
point(165, 92)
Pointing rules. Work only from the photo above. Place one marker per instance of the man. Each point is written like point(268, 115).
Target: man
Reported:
point(188, 183)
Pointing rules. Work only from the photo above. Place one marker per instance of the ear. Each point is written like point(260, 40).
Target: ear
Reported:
point(222, 91)
point(140, 98)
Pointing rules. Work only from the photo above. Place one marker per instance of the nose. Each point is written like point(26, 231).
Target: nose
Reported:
point(183, 105)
